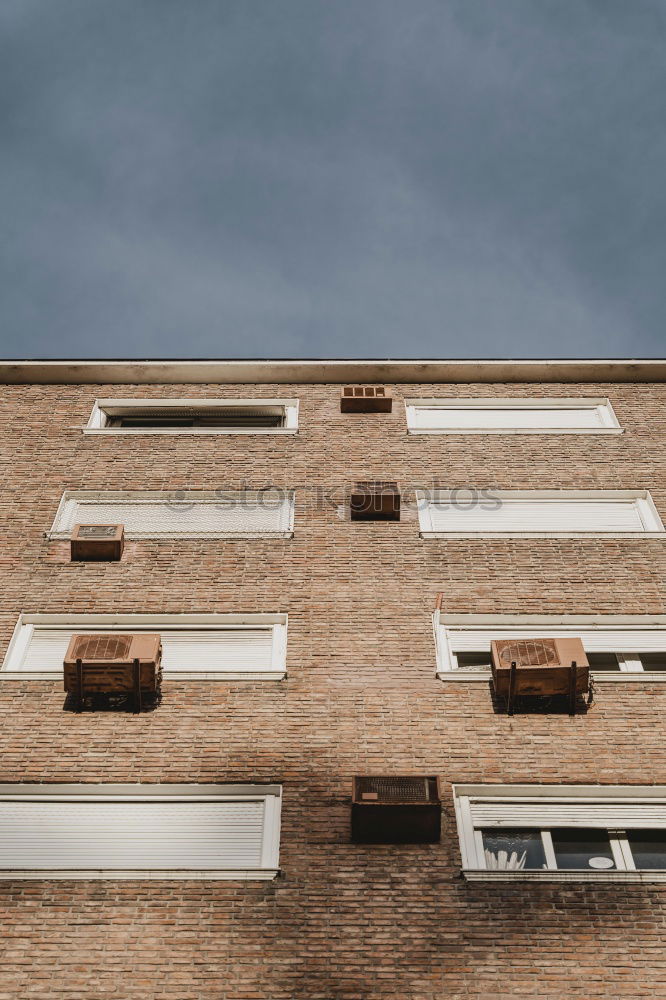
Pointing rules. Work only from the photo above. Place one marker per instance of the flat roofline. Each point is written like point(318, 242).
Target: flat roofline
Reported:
point(128, 372)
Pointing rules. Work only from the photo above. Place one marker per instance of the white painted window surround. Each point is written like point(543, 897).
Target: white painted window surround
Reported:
point(182, 514)
point(103, 409)
point(625, 635)
point(615, 809)
point(511, 415)
point(487, 513)
point(194, 647)
point(139, 831)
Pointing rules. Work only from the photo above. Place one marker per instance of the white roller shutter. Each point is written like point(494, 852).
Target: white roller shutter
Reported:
point(477, 415)
point(523, 515)
point(540, 813)
point(233, 650)
point(130, 833)
point(156, 517)
point(594, 640)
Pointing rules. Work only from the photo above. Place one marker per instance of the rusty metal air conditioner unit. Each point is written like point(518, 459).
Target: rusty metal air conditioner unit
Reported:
point(540, 667)
point(365, 399)
point(396, 810)
point(97, 542)
point(113, 664)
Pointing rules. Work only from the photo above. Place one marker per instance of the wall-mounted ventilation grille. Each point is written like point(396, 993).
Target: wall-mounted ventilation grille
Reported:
point(365, 399)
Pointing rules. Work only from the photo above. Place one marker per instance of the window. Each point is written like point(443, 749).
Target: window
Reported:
point(200, 514)
point(578, 832)
point(466, 513)
point(193, 416)
point(194, 647)
point(138, 831)
point(511, 415)
point(619, 648)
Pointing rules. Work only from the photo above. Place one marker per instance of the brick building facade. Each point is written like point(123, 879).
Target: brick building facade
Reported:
point(362, 693)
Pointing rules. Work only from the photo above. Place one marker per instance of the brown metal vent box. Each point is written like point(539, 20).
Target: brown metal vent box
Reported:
point(543, 666)
point(396, 810)
point(365, 399)
point(97, 542)
point(375, 501)
point(107, 664)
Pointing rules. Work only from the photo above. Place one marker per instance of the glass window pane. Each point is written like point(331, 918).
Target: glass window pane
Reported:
point(603, 661)
point(648, 848)
point(653, 661)
point(588, 849)
point(513, 850)
point(474, 661)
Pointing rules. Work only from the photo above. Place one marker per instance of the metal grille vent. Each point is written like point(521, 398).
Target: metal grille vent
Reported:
point(97, 530)
point(371, 391)
point(530, 653)
point(396, 789)
point(103, 647)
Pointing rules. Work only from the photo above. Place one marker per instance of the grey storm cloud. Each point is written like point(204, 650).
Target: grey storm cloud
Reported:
point(395, 178)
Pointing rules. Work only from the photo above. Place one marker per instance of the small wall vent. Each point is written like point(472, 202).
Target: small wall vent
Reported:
point(365, 399)
point(396, 810)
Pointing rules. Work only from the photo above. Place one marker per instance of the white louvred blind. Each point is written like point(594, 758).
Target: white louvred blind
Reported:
point(520, 516)
point(594, 640)
point(155, 517)
point(541, 813)
point(131, 835)
point(504, 417)
point(230, 650)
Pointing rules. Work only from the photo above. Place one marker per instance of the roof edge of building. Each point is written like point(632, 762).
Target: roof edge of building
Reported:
point(335, 371)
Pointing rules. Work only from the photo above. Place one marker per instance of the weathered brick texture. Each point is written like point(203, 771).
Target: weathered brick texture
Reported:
point(342, 922)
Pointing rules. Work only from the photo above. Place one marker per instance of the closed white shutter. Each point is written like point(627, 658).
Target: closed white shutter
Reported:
point(236, 650)
point(191, 517)
point(594, 640)
point(133, 834)
point(543, 814)
point(505, 418)
point(509, 515)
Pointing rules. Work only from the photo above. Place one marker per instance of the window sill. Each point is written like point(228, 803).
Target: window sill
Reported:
point(427, 535)
point(601, 676)
point(513, 431)
point(232, 536)
point(172, 675)
point(169, 431)
point(563, 875)
point(165, 875)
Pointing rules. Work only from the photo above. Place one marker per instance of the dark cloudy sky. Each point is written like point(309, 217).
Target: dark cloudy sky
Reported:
point(342, 178)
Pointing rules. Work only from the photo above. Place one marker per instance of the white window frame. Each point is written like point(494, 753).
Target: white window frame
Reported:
point(609, 423)
point(652, 524)
point(487, 627)
point(212, 497)
point(104, 408)
point(27, 623)
point(270, 794)
point(590, 797)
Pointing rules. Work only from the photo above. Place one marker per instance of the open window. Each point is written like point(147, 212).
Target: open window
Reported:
point(618, 648)
point(577, 833)
point(194, 416)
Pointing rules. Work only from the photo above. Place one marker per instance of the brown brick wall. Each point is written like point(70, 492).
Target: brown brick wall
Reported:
point(343, 921)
